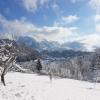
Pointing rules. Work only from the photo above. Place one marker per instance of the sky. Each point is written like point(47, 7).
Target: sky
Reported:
point(53, 20)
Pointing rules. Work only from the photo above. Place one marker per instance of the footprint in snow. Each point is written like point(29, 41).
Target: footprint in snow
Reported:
point(18, 95)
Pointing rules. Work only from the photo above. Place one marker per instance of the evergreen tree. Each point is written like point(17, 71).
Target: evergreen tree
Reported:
point(39, 66)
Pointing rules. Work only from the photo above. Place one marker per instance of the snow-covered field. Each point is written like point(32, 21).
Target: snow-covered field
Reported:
point(33, 87)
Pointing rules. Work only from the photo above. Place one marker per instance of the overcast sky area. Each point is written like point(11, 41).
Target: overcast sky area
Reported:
point(53, 20)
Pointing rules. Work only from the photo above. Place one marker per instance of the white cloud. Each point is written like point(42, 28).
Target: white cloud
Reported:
point(97, 18)
point(73, 28)
point(70, 18)
point(97, 27)
point(95, 4)
point(60, 34)
point(30, 5)
point(33, 5)
point(53, 33)
point(16, 26)
point(65, 20)
point(22, 26)
point(97, 23)
point(91, 41)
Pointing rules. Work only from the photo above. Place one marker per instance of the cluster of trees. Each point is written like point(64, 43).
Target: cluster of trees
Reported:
point(80, 67)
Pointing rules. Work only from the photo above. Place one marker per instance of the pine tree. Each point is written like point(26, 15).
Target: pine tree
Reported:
point(39, 66)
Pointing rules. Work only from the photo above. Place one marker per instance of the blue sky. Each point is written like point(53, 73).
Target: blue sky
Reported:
point(53, 20)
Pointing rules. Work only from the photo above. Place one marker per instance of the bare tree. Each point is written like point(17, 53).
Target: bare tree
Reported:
point(7, 56)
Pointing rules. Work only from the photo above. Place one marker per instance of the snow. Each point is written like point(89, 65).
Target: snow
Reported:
point(22, 69)
point(21, 86)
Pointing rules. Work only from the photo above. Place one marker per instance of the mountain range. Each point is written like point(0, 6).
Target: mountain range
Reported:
point(52, 49)
point(50, 45)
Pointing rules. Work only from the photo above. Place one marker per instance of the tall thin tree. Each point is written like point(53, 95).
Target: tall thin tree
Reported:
point(39, 65)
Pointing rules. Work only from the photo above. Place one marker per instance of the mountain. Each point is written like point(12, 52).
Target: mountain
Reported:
point(26, 53)
point(40, 46)
point(28, 41)
point(54, 49)
point(50, 45)
point(75, 45)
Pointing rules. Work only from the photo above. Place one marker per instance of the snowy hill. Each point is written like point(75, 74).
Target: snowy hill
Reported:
point(33, 87)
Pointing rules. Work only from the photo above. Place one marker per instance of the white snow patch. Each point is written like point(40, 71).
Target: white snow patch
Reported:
point(33, 87)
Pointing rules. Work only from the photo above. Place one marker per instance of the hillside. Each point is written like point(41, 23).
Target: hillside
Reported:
point(33, 87)
point(27, 53)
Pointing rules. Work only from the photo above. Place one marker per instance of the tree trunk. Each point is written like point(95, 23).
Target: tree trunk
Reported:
point(2, 79)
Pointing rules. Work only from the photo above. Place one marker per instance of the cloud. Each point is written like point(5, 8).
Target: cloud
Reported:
point(65, 35)
point(51, 33)
point(30, 5)
point(91, 41)
point(65, 20)
point(70, 18)
point(75, 45)
point(95, 4)
point(97, 22)
point(59, 34)
point(98, 27)
point(97, 18)
point(16, 26)
point(22, 26)
point(33, 5)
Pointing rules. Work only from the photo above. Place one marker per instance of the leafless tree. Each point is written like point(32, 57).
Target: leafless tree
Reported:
point(7, 56)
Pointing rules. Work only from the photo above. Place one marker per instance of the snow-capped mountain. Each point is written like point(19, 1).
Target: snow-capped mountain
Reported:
point(49, 45)
point(43, 45)
point(52, 48)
